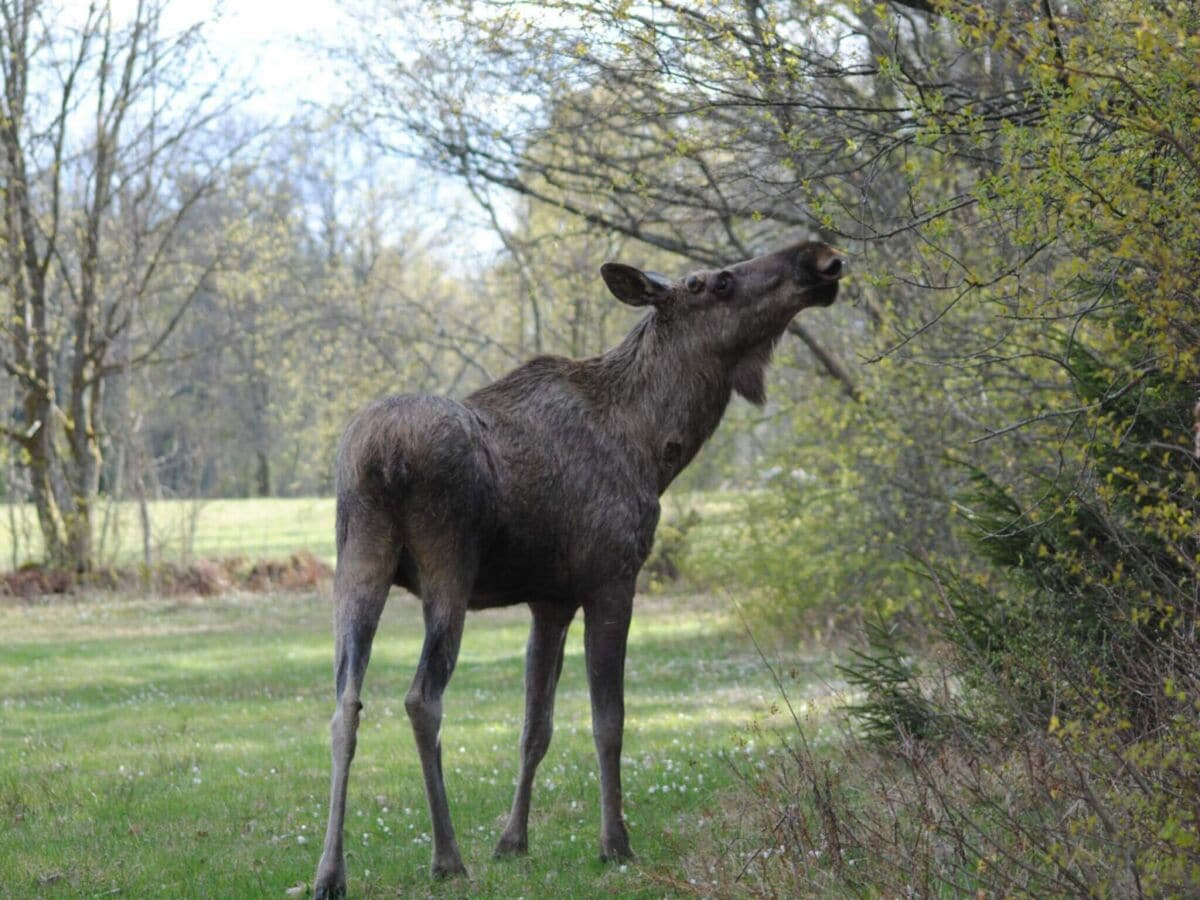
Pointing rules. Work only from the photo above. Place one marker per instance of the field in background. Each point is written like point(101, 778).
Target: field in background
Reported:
point(182, 530)
point(187, 529)
point(180, 749)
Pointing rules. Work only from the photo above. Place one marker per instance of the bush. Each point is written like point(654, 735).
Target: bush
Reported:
point(819, 543)
point(671, 543)
point(895, 704)
point(1075, 655)
point(1040, 816)
point(206, 577)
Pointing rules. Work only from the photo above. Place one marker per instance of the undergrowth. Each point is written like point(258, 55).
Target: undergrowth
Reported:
point(300, 571)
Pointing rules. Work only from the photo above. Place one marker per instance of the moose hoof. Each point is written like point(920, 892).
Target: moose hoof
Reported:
point(616, 850)
point(511, 846)
point(450, 868)
point(329, 888)
point(330, 881)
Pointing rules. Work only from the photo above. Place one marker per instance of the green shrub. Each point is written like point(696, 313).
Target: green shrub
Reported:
point(670, 546)
point(894, 704)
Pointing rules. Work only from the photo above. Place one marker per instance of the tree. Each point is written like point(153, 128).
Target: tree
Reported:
point(104, 167)
point(705, 130)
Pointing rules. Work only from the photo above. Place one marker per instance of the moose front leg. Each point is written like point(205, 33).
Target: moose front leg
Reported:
point(606, 629)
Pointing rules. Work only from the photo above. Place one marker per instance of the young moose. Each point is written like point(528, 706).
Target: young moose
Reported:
point(543, 488)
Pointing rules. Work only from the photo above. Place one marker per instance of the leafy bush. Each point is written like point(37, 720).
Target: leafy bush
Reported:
point(1073, 624)
point(671, 543)
point(821, 538)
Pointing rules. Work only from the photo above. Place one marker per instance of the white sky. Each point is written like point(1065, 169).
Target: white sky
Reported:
point(260, 40)
point(264, 40)
point(270, 46)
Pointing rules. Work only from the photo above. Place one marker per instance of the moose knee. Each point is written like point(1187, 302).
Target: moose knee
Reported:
point(425, 714)
point(343, 727)
point(537, 738)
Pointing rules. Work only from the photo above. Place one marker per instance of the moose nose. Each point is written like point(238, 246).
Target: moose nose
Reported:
point(832, 267)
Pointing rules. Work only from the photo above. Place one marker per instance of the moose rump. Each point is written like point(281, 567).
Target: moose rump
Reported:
point(416, 493)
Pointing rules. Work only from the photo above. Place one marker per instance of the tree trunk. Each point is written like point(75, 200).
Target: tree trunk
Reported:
point(79, 535)
point(262, 476)
point(50, 518)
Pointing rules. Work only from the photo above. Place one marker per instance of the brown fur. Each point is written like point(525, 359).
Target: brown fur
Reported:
point(543, 488)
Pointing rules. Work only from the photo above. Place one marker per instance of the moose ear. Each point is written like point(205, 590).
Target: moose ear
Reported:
point(633, 286)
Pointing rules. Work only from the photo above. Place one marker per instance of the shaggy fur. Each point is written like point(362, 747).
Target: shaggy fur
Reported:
point(543, 488)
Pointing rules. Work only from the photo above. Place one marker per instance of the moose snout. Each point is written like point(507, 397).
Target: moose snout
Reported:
point(831, 265)
point(818, 269)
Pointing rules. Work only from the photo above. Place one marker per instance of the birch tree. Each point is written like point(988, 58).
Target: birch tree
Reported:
point(100, 125)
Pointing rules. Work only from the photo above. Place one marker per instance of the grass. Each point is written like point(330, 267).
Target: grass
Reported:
point(184, 529)
point(255, 527)
point(163, 748)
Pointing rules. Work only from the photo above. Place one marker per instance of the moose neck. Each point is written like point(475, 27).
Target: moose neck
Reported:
point(664, 393)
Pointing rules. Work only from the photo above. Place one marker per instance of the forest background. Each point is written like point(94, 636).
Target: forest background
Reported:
point(981, 459)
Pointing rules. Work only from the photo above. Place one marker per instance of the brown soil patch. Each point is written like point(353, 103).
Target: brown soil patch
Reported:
point(205, 577)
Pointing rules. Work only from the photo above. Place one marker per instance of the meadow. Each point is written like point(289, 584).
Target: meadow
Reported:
point(186, 529)
point(179, 748)
point(256, 528)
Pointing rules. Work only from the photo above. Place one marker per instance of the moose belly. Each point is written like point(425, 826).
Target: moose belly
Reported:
point(521, 571)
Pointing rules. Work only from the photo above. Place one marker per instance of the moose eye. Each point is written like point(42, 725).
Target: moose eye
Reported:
point(694, 284)
point(723, 283)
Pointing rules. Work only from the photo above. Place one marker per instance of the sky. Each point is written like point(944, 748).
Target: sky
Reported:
point(264, 41)
point(272, 48)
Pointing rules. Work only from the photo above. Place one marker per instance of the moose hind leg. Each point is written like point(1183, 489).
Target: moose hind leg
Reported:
point(543, 665)
point(445, 610)
point(360, 591)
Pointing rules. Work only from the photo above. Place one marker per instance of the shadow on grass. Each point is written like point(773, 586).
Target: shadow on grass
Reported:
point(247, 666)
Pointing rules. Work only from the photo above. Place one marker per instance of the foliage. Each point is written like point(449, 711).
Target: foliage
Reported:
point(824, 535)
point(670, 544)
point(1103, 562)
point(894, 703)
point(1032, 818)
point(1075, 637)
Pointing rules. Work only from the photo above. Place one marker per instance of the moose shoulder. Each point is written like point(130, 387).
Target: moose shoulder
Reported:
point(542, 488)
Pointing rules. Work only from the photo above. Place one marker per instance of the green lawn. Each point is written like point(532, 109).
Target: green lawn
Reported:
point(179, 748)
point(255, 527)
point(183, 529)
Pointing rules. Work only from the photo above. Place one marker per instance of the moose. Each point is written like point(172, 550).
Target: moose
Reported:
point(543, 488)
